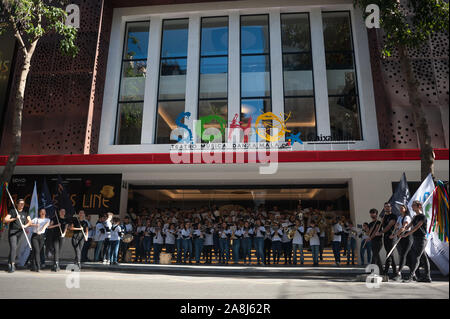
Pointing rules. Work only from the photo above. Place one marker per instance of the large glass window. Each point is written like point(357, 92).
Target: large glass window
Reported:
point(172, 80)
point(341, 76)
point(132, 83)
point(255, 68)
point(299, 105)
point(213, 88)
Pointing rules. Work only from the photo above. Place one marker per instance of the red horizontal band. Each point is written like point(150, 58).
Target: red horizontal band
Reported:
point(283, 157)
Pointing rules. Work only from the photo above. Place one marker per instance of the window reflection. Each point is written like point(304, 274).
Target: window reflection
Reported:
point(213, 86)
point(172, 80)
point(255, 68)
point(299, 104)
point(341, 77)
point(132, 83)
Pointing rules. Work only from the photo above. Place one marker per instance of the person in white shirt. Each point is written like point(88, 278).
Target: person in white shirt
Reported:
point(147, 240)
point(365, 245)
point(170, 239)
point(247, 234)
point(351, 242)
point(224, 243)
point(209, 242)
point(158, 241)
point(39, 226)
point(276, 235)
point(186, 234)
point(314, 241)
point(297, 241)
point(267, 242)
point(405, 244)
point(198, 241)
point(127, 228)
point(286, 243)
point(116, 235)
point(236, 238)
point(179, 242)
point(107, 243)
point(259, 233)
point(336, 244)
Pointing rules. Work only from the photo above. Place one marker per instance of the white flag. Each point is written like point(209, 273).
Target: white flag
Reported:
point(425, 190)
point(435, 248)
point(33, 212)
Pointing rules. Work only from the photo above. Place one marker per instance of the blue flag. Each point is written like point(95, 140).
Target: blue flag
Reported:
point(63, 198)
point(400, 197)
point(46, 201)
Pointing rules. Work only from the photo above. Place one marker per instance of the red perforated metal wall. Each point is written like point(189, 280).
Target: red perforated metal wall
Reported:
point(64, 96)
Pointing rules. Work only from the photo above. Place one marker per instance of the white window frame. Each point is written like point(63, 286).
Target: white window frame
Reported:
point(156, 14)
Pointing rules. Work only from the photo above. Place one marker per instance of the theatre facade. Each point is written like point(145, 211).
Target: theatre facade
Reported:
point(201, 103)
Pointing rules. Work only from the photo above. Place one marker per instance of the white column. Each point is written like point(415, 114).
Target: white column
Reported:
point(193, 69)
point(320, 73)
point(151, 83)
point(276, 64)
point(234, 63)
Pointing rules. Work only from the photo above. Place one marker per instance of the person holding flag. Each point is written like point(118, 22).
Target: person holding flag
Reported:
point(58, 228)
point(375, 238)
point(18, 219)
point(80, 228)
point(404, 244)
point(39, 225)
point(388, 224)
point(419, 233)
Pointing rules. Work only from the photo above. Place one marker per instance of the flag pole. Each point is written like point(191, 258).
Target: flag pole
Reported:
point(18, 217)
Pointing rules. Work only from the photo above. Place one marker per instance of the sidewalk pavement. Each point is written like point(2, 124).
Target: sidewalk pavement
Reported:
point(279, 271)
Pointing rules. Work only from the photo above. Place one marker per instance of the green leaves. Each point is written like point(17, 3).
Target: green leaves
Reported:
point(33, 19)
point(410, 25)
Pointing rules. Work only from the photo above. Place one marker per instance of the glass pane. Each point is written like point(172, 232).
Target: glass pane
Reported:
point(253, 108)
point(255, 77)
point(130, 123)
point(214, 36)
point(298, 75)
point(300, 117)
point(336, 31)
point(254, 34)
point(175, 38)
point(344, 118)
point(216, 107)
point(341, 82)
point(168, 112)
point(172, 83)
point(339, 60)
point(173, 66)
point(132, 85)
point(137, 40)
point(214, 78)
point(295, 34)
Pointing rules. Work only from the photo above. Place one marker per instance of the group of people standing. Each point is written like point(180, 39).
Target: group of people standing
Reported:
point(197, 234)
point(45, 232)
point(231, 235)
point(410, 232)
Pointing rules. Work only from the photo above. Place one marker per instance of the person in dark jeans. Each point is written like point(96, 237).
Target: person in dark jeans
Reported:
point(405, 243)
point(375, 238)
point(419, 234)
point(267, 246)
point(16, 233)
point(57, 231)
point(389, 221)
point(37, 239)
point(336, 241)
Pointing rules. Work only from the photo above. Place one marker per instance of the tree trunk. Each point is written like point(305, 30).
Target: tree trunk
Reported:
point(423, 131)
point(17, 119)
